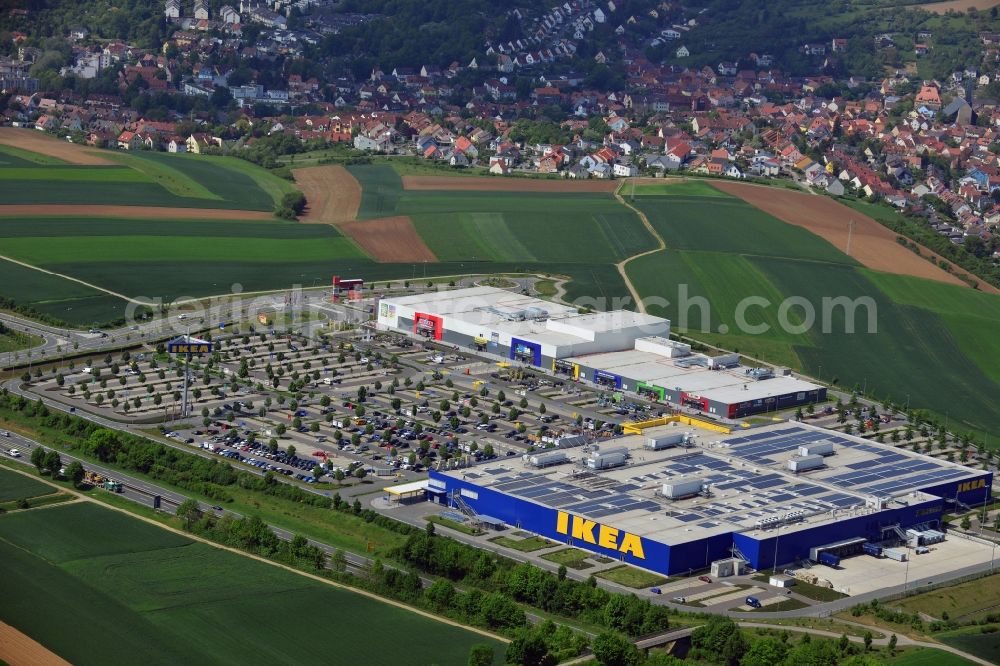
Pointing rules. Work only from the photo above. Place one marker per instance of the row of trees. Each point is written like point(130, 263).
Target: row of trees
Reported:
point(528, 584)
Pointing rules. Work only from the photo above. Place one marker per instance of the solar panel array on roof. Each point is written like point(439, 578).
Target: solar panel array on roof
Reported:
point(742, 492)
point(889, 471)
point(592, 503)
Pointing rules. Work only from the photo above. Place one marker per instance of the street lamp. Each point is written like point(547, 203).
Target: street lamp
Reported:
point(906, 571)
point(774, 564)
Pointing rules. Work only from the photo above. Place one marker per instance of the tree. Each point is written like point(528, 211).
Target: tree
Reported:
point(892, 643)
point(499, 611)
point(189, 512)
point(966, 523)
point(868, 641)
point(38, 458)
point(74, 472)
point(53, 463)
point(360, 473)
point(528, 649)
point(290, 451)
point(481, 655)
point(764, 651)
point(614, 650)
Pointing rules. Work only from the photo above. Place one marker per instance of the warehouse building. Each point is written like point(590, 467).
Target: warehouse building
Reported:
point(619, 350)
point(668, 371)
point(517, 327)
point(673, 500)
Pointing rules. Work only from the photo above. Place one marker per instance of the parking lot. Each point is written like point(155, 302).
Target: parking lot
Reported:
point(320, 410)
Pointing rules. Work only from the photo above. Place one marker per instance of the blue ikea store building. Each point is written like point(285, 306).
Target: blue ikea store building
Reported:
point(748, 504)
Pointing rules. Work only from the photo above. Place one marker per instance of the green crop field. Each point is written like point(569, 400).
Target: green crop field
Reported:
point(929, 657)
point(11, 156)
point(674, 188)
point(95, 174)
point(731, 225)
point(580, 235)
point(14, 486)
point(63, 299)
point(972, 640)
point(931, 338)
point(98, 587)
point(161, 258)
point(145, 179)
point(173, 180)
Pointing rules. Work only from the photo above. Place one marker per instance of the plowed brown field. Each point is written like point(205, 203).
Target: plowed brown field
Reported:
point(36, 142)
point(500, 184)
point(873, 245)
point(21, 650)
point(72, 210)
point(332, 194)
point(389, 239)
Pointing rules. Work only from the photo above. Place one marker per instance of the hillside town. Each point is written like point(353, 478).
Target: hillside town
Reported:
point(924, 146)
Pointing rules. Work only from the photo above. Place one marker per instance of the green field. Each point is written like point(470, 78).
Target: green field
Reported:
point(674, 188)
point(581, 235)
point(11, 156)
point(151, 596)
point(929, 657)
point(14, 486)
point(965, 601)
point(726, 224)
point(145, 179)
point(930, 340)
point(96, 174)
point(972, 640)
point(53, 296)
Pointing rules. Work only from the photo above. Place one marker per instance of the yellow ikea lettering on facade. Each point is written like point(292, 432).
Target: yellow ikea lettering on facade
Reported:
point(971, 485)
point(607, 537)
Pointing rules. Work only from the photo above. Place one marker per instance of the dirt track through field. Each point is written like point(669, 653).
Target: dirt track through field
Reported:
point(389, 239)
point(332, 194)
point(72, 210)
point(36, 142)
point(872, 244)
point(18, 649)
point(501, 184)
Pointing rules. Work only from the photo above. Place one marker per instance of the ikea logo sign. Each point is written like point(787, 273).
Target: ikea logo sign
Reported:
point(190, 348)
point(971, 485)
point(599, 535)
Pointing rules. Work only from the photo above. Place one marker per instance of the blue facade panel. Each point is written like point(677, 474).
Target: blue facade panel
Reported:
point(608, 376)
point(541, 520)
point(974, 491)
point(759, 549)
point(519, 347)
point(791, 546)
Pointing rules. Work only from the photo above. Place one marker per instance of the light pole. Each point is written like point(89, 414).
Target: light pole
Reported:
point(774, 564)
point(906, 571)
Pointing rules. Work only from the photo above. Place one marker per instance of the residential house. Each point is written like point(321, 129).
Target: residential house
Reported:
point(129, 141)
point(622, 170)
point(199, 141)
